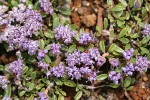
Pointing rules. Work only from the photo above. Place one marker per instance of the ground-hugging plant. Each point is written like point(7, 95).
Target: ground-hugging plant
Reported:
point(52, 55)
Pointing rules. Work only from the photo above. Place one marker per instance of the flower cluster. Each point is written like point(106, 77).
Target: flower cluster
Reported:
point(16, 35)
point(55, 48)
point(128, 53)
point(16, 67)
point(114, 76)
point(128, 69)
point(43, 65)
point(114, 62)
point(85, 38)
point(92, 56)
point(58, 71)
point(3, 82)
point(46, 5)
point(142, 64)
point(41, 54)
point(146, 30)
point(43, 96)
point(64, 33)
point(6, 98)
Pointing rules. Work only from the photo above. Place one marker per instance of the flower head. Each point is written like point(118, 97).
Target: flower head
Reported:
point(114, 76)
point(128, 53)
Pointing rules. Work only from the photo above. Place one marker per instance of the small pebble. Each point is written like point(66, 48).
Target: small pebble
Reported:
point(145, 79)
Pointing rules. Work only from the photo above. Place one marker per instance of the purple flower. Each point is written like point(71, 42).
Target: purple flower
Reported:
point(46, 5)
point(58, 71)
point(73, 58)
point(74, 72)
point(101, 61)
point(43, 65)
point(16, 67)
point(92, 76)
point(85, 70)
point(6, 98)
point(85, 59)
point(114, 76)
point(41, 54)
point(85, 38)
point(43, 96)
point(64, 33)
point(55, 48)
point(142, 64)
point(3, 9)
point(128, 53)
point(3, 82)
point(146, 30)
point(94, 53)
point(114, 62)
point(128, 69)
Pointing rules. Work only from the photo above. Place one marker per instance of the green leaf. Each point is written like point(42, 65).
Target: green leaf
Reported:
point(33, 75)
point(114, 85)
point(99, 30)
point(14, 3)
point(1, 67)
point(70, 83)
point(117, 8)
point(22, 93)
point(31, 86)
point(65, 10)
point(81, 49)
point(123, 2)
point(131, 3)
point(144, 12)
point(36, 6)
point(60, 97)
point(72, 48)
point(127, 81)
point(8, 91)
point(145, 40)
point(78, 95)
point(129, 88)
point(123, 32)
point(25, 69)
point(47, 47)
point(47, 59)
point(105, 23)
point(118, 49)
point(31, 97)
point(147, 6)
point(124, 40)
point(86, 92)
point(50, 34)
point(55, 21)
point(102, 46)
point(41, 44)
point(58, 82)
point(112, 48)
point(144, 50)
point(102, 77)
point(62, 92)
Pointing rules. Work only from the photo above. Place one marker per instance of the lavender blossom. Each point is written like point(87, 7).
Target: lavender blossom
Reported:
point(16, 67)
point(101, 61)
point(94, 53)
point(74, 72)
point(85, 70)
point(114, 62)
point(46, 5)
point(58, 71)
point(128, 69)
point(3, 82)
point(85, 59)
point(142, 64)
point(114, 76)
point(55, 48)
point(146, 30)
point(3, 9)
point(6, 98)
point(41, 54)
point(73, 58)
point(43, 96)
point(85, 38)
point(64, 33)
point(43, 65)
point(128, 53)
point(92, 76)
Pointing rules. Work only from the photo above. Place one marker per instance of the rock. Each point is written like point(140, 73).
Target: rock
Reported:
point(145, 79)
point(89, 20)
point(85, 3)
point(80, 11)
